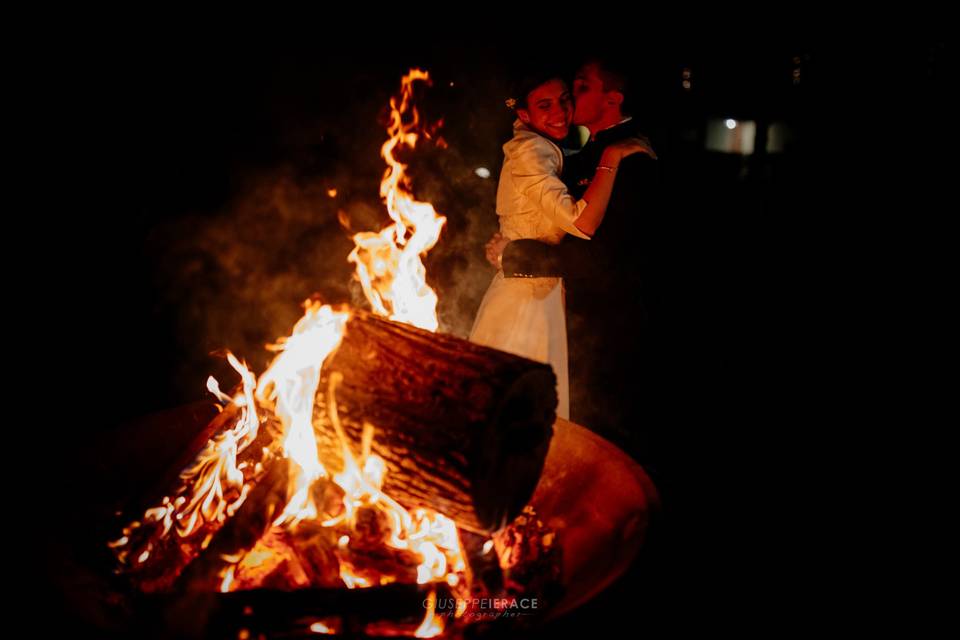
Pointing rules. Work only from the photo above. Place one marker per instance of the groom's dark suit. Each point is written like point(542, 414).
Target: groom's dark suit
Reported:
point(614, 288)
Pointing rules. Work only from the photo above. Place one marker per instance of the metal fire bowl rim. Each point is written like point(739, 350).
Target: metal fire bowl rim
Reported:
point(600, 502)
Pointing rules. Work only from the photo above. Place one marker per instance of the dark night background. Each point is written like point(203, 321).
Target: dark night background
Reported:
point(195, 217)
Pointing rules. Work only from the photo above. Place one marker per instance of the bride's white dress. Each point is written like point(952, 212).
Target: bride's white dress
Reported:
point(525, 316)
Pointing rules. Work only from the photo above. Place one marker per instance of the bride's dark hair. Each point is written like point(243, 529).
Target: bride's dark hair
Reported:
point(528, 79)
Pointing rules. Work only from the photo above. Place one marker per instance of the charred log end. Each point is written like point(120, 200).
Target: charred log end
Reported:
point(514, 448)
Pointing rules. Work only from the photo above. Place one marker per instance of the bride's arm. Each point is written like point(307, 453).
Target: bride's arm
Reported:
point(601, 187)
point(536, 174)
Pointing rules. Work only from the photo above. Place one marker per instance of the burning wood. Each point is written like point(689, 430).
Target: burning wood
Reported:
point(462, 428)
point(211, 489)
point(364, 450)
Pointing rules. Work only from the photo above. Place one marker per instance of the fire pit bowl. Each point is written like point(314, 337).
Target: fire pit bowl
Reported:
point(595, 497)
point(599, 501)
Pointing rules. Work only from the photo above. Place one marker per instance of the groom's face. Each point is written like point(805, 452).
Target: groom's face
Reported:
point(590, 99)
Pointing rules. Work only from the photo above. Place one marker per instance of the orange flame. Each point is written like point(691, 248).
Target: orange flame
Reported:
point(432, 624)
point(291, 384)
point(389, 264)
point(431, 536)
point(214, 486)
point(325, 628)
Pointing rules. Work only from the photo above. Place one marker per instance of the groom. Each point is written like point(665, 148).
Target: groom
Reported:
point(612, 285)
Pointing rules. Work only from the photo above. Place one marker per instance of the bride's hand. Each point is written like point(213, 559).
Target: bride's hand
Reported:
point(494, 249)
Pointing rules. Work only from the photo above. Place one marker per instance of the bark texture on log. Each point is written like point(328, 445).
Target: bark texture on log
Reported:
point(464, 429)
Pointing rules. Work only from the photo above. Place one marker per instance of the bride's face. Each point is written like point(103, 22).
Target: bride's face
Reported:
point(549, 110)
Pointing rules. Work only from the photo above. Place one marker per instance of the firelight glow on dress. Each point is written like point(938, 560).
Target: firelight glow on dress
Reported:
point(525, 316)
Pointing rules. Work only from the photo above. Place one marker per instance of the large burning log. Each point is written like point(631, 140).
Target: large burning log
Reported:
point(464, 429)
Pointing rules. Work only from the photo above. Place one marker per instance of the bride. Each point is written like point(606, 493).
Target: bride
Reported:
point(525, 316)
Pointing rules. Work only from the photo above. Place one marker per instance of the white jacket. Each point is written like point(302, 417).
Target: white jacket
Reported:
point(532, 201)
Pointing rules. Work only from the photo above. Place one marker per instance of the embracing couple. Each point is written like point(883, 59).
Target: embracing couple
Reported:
point(572, 247)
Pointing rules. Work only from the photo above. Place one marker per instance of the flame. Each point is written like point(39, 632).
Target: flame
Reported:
point(388, 262)
point(214, 473)
point(432, 624)
point(323, 628)
point(431, 536)
point(215, 485)
point(290, 383)
point(227, 579)
point(289, 386)
point(212, 487)
point(351, 579)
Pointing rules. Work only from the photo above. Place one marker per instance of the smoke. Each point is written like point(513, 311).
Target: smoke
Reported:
point(456, 267)
point(235, 278)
